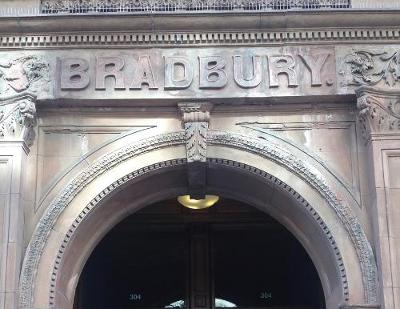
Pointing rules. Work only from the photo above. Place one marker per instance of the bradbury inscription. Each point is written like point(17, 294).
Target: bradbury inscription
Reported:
point(192, 73)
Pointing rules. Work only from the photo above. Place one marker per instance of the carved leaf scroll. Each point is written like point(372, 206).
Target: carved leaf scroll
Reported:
point(196, 145)
point(195, 119)
point(371, 68)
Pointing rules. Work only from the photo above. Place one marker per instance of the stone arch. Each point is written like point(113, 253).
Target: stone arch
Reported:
point(355, 270)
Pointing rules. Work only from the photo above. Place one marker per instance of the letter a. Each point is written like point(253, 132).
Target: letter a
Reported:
point(144, 74)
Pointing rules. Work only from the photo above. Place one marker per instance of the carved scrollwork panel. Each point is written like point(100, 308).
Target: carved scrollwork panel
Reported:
point(371, 68)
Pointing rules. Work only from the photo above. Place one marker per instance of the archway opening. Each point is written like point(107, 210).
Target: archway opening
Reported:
point(230, 255)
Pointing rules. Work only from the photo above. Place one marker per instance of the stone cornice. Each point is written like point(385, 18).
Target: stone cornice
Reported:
point(176, 39)
point(374, 24)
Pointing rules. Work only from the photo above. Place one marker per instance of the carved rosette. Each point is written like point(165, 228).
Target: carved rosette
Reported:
point(378, 112)
point(17, 119)
point(195, 118)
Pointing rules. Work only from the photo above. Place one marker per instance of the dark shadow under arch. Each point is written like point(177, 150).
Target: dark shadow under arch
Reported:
point(155, 257)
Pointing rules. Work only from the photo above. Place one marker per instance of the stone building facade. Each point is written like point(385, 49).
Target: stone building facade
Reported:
point(289, 106)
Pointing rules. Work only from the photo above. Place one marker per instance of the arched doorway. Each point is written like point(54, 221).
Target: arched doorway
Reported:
point(229, 256)
point(302, 196)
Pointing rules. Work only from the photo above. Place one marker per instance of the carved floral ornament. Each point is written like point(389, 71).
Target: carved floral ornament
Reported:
point(23, 74)
point(17, 118)
point(20, 80)
point(378, 111)
point(370, 68)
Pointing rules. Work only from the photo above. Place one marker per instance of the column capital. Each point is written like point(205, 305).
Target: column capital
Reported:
point(18, 118)
point(378, 112)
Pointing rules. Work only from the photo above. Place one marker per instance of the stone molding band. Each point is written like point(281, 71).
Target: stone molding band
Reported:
point(121, 40)
point(263, 148)
point(188, 6)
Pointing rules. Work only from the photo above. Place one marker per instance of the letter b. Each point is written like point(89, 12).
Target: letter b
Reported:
point(212, 74)
point(74, 73)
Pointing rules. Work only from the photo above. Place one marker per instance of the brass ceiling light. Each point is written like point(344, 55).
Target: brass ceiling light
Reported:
point(192, 203)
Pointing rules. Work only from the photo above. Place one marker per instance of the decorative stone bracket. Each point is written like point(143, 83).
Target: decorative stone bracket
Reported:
point(195, 118)
point(17, 118)
point(378, 111)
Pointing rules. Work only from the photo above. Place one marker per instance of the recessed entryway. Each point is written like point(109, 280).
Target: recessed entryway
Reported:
point(228, 256)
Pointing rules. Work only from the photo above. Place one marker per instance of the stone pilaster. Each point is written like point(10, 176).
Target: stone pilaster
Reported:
point(379, 118)
point(17, 121)
point(195, 119)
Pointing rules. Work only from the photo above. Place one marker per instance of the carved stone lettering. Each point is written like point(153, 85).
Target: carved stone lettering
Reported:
point(282, 64)
point(172, 80)
point(315, 65)
point(212, 73)
point(251, 79)
point(74, 73)
point(194, 73)
point(109, 67)
point(144, 74)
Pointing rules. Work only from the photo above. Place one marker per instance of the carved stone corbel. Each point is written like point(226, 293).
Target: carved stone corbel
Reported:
point(378, 112)
point(195, 119)
point(18, 118)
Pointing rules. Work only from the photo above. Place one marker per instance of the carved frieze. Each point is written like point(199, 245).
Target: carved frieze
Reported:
point(17, 118)
point(378, 111)
point(22, 74)
point(371, 68)
point(131, 6)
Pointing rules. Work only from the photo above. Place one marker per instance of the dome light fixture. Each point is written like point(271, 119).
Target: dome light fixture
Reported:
point(197, 204)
